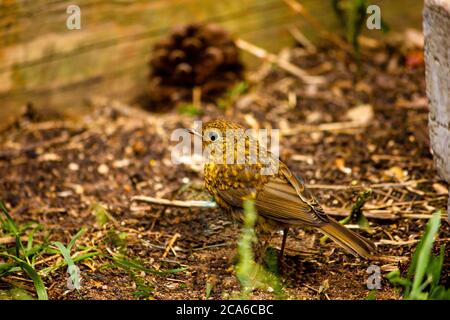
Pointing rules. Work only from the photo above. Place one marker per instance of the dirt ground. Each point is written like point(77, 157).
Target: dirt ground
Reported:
point(366, 127)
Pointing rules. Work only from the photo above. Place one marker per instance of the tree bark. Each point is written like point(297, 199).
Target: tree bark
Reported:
point(436, 27)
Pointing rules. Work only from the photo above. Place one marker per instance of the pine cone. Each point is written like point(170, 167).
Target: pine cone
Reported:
point(194, 55)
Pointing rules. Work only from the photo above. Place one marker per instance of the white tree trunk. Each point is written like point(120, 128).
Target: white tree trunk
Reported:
point(436, 26)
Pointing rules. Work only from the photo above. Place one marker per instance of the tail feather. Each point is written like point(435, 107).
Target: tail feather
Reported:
point(350, 241)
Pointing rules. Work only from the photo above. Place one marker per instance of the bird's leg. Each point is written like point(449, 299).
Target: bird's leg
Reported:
point(283, 243)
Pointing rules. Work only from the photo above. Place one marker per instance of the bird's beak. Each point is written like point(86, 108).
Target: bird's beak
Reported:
point(195, 133)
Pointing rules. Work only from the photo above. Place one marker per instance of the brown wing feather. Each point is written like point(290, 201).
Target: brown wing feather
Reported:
point(303, 193)
point(234, 197)
point(279, 201)
point(283, 198)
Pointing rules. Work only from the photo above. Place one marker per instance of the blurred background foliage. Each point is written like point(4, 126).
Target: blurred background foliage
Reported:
point(43, 62)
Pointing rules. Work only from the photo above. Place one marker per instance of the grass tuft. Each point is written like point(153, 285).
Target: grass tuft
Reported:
point(23, 257)
point(422, 279)
point(72, 269)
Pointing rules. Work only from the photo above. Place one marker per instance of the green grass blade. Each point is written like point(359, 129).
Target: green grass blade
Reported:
point(85, 256)
point(435, 267)
point(75, 238)
point(30, 241)
point(72, 269)
point(422, 254)
point(37, 280)
point(65, 253)
point(6, 268)
point(9, 219)
point(131, 264)
point(13, 227)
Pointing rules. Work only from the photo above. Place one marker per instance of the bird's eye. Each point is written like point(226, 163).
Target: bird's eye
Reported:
point(213, 136)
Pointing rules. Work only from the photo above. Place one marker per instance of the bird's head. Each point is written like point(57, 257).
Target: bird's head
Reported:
point(226, 142)
point(216, 134)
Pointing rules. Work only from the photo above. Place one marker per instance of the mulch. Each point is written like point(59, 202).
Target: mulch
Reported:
point(366, 127)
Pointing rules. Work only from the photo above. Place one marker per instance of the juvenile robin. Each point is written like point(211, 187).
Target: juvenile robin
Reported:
point(233, 174)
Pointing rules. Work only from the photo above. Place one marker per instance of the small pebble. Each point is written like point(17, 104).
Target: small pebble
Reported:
point(121, 163)
point(78, 188)
point(74, 166)
point(185, 180)
point(64, 194)
point(103, 169)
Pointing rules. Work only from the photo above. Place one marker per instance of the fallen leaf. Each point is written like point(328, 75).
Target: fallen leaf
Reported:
point(340, 164)
point(414, 59)
point(440, 188)
point(362, 114)
point(396, 172)
point(251, 121)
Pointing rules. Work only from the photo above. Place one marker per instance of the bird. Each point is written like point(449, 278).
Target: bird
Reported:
point(281, 198)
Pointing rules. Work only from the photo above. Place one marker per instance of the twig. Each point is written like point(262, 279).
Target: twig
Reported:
point(156, 246)
point(333, 187)
point(282, 63)
point(311, 288)
point(176, 280)
point(303, 158)
point(8, 240)
point(378, 214)
point(174, 262)
point(302, 39)
point(372, 186)
point(404, 203)
point(53, 257)
point(395, 243)
point(300, 9)
point(394, 259)
point(170, 245)
point(399, 184)
point(333, 126)
point(404, 243)
point(378, 157)
point(176, 203)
